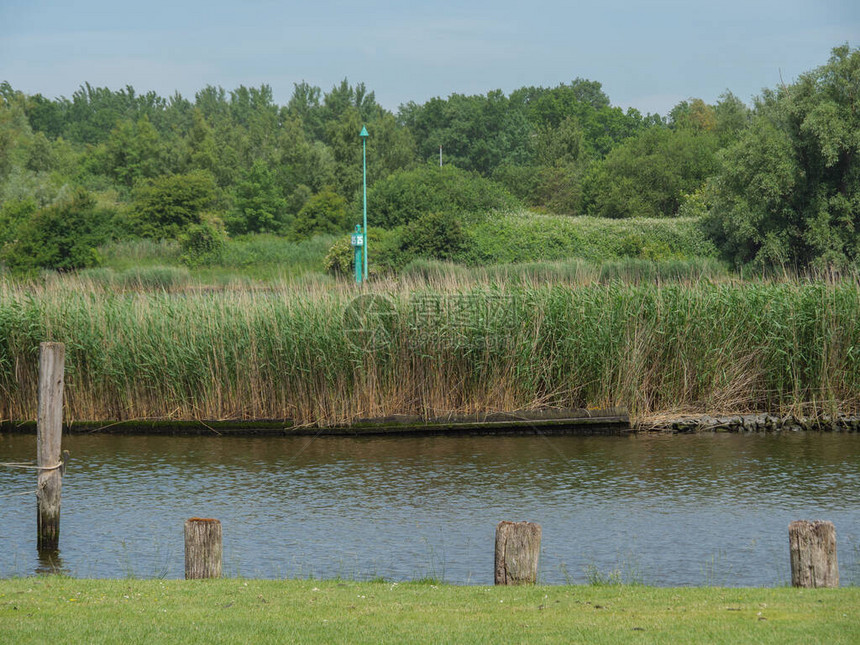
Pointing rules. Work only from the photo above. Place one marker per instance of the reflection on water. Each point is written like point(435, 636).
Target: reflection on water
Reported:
point(666, 510)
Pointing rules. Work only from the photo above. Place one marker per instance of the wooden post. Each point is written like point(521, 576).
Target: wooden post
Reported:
point(813, 554)
point(517, 552)
point(49, 430)
point(202, 548)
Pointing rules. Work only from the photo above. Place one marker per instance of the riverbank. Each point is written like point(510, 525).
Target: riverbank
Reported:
point(553, 422)
point(37, 610)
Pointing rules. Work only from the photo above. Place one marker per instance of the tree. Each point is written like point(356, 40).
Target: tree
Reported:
point(201, 146)
point(258, 206)
point(165, 206)
point(389, 148)
point(648, 175)
point(603, 126)
point(694, 114)
point(476, 132)
point(789, 189)
point(133, 152)
point(733, 117)
point(305, 104)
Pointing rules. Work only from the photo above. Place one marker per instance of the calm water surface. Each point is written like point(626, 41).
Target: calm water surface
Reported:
point(665, 510)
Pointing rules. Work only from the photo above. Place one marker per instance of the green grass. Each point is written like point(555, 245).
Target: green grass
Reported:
point(251, 257)
point(49, 609)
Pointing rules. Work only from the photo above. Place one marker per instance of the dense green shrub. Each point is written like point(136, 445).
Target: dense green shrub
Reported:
point(201, 244)
point(437, 236)
point(63, 236)
point(14, 213)
point(406, 195)
point(530, 237)
point(326, 212)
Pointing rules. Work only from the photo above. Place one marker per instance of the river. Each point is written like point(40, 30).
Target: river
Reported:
point(708, 509)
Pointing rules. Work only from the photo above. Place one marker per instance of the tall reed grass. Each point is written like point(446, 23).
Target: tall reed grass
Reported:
point(306, 353)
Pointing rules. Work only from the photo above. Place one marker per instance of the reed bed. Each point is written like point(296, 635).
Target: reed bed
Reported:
point(312, 353)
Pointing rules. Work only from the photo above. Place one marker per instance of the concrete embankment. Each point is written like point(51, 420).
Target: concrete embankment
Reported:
point(749, 423)
point(609, 421)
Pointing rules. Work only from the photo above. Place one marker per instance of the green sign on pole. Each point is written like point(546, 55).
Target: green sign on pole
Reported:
point(364, 136)
point(357, 245)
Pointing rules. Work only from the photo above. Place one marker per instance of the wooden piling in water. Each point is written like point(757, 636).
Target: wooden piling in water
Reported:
point(49, 433)
point(517, 553)
point(203, 548)
point(813, 554)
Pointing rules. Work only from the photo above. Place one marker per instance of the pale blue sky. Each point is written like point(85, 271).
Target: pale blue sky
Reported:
point(648, 55)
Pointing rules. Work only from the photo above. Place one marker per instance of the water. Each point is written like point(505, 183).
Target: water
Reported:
point(662, 510)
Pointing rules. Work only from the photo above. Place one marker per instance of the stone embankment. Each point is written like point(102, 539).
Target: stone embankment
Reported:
point(752, 423)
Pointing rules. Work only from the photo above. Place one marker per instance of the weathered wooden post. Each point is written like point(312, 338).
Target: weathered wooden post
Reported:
point(517, 552)
point(813, 554)
point(49, 433)
point(202, 548)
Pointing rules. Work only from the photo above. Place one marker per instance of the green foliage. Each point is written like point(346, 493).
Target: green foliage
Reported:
point(406, 195)
point(277, 252)
point(476, 132)
point(325, 212)
point(201, 243)
point(732, 116)
point(559, 188)
point(165, 206)
point(385, 256)
point(340, 258)
point(63, 236)
point(389, 148)
point(530, 237)
point(40, 157)
point(789, 189)
point(583, 102)
point(132, 152)
point(438, 236)
point(13, 214)
point(647, 175)
point(258, 206)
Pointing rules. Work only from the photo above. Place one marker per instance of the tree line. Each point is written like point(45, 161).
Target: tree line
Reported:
point(773, 183)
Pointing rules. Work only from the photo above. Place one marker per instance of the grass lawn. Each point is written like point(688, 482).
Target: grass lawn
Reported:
point(38, 610)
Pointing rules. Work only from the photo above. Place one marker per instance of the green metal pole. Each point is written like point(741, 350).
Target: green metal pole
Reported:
point(364, 136)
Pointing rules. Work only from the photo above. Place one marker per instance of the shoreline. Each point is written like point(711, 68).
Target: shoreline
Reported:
point(605, 422)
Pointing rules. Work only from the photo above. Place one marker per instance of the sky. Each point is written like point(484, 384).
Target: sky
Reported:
point(647, 54)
